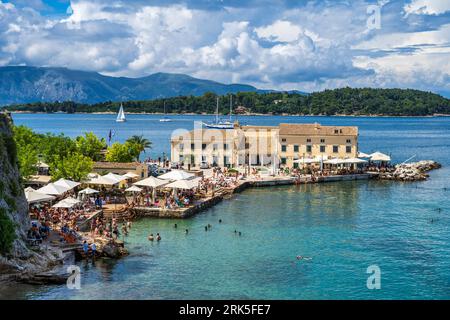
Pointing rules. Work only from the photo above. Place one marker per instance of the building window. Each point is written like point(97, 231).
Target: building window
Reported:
point(283, 160)
point(226, 160)
point(181, 147)
point(283, 148)
point(336, 131)
point(181, 158)
point(308, 140)
point(335, 149)
point(192, 146)
point(215, 147)
point(203, 146)
point(322, 140)
point(215, 160)
point(203, 158)
point(322, 148)
point(295, 165)
point(296, 148)
point(308, 148)
point(349, 141)
point(225, 146)
point(348, 149)
point(283, 140)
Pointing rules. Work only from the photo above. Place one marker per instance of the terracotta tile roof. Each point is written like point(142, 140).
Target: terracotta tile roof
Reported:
point(116, 165)
point(315, 129)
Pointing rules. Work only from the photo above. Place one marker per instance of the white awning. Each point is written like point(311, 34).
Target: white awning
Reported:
point(378, 156)
point(177, 175)
point(67, 183)
point(33, 196)
point(64, 204)
point(53, 189)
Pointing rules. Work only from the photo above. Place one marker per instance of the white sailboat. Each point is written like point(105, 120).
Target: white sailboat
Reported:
point(165, 119)
point(219, 124)
point(121, 115)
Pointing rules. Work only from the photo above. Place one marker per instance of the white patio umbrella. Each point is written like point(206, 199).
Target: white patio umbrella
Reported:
point(114, 177)
point(363, 155)
point(151, 182)
point(177, 175)
point(64, 204)
point(183, 184)
point(53, 189)
point(335, 161)
point(133, 189)
point(67, 183)
point(33, 196)
point(354, 160)
point(88, 191)
point(102, 181)
point(307, 160)
point(72, 200)
point(378, 156)
point(131, 175)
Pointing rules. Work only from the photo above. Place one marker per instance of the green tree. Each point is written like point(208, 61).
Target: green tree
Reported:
point(90, 145)
point(27, 143)
point(141, 143)
point(28, 159)
point(122, 152)
point(55, 148)
point(74, 166)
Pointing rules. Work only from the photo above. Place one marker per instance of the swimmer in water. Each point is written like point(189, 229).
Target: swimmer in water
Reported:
point(187, 231)
point(206, 228)
point(240, 233)
point(303, 258)
point(150, 237)
point(220, 220)
point(158, 237)
point(175, 226)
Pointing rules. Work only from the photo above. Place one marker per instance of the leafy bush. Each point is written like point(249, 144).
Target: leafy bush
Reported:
point(7, 232)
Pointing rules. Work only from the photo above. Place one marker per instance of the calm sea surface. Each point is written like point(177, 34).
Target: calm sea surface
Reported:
point(344, 227)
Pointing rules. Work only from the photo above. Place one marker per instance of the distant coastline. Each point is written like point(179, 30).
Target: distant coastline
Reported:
point(352, 102)
point(246, 114)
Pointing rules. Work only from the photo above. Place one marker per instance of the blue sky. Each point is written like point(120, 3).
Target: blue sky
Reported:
point(276, 44)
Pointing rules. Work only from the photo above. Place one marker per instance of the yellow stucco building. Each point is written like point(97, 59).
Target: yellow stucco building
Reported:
point(263, 145)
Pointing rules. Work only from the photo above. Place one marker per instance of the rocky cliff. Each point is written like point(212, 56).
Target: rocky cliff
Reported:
point(15, 256)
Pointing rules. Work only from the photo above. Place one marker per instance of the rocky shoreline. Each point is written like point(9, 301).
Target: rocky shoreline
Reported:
point(415, 171)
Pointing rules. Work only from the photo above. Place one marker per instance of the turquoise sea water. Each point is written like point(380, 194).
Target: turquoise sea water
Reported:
point(344, 227)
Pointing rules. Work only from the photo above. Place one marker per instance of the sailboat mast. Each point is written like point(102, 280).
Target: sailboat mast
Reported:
point(231, 105)
point(217, 110)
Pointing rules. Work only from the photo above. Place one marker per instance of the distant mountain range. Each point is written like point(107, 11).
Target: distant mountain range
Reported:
point(20, 84)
